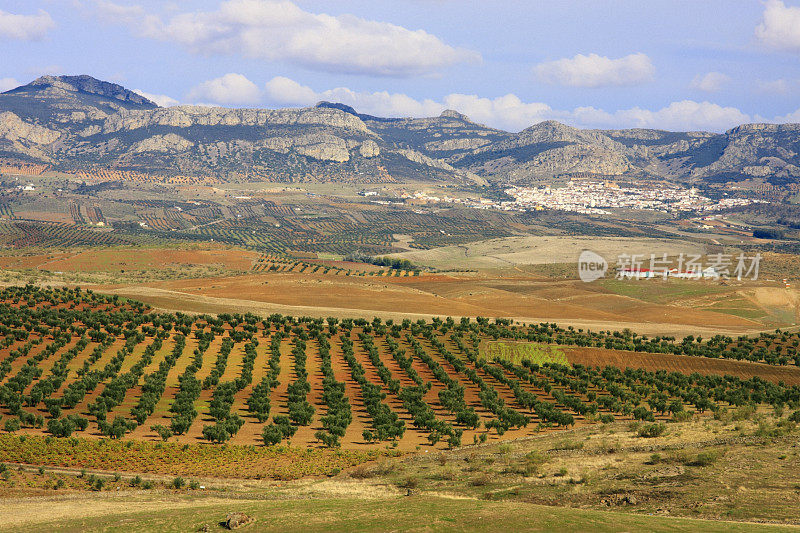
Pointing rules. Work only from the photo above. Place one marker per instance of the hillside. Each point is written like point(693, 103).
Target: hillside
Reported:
point(77, 121)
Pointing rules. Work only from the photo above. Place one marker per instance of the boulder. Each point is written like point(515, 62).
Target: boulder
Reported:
point(237, 520)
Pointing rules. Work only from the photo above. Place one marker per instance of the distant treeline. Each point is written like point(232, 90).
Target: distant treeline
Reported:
point(397, 264)
point(768, 234)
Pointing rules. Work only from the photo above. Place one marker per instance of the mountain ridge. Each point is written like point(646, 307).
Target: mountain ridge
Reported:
point(74, 122)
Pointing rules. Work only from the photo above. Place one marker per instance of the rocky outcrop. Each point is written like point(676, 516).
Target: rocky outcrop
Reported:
point(187, 116)
point(162, 143)
point(447, 145)
point(369, 148)
point(322, 146)
point(12, 128)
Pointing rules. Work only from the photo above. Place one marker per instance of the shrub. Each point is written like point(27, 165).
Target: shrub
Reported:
point(410, 482)
point(178, 483)
point(163, 431)
point(705, 458)
point(643, 413)
point(682, 416)
point(12, 425)
point(652, 430)
point(481, 480)
point(568, 445)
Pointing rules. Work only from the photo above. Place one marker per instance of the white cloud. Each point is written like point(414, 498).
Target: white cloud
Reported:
point(230, 89)
point(6, 84)
point(780, 26)
point(285, 91)
point(509, 112)
point(115, 13)
point(282, 31)
point(792, 118)
point(597, 71)
point(161, 100)
point(710, 82)
point(678, 116)
point(25, 27)
point(779, 86)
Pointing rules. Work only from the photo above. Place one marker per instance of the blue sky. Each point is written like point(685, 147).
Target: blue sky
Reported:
point(709, 64)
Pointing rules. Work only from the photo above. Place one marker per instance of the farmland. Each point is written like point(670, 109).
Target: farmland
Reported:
point(80, 363)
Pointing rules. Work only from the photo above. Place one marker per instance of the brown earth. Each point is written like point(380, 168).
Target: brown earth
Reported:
point(684, 364)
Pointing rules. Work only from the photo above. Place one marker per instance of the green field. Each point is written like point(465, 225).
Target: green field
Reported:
point(416, 513)
point(516, 352)
point(658, 291)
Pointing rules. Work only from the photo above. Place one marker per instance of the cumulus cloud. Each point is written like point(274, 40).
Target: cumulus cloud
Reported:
point(6, 84)
point(230, 89)
point(285, 91)
point(597, 71)
point(710, 82)
point(792, 118)
point(679, 116)
point(25, 27)
point(510, 112)
point(272, 30)
point(779, 86)
point(161, 100)
point(780, 26)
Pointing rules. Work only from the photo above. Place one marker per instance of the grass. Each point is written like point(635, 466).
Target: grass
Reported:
point(395, 514)
point(657, 291)
point(516, 352)
point(253, 462)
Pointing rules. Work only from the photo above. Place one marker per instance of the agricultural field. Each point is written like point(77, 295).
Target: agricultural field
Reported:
point(80, 363)
point(103, 398)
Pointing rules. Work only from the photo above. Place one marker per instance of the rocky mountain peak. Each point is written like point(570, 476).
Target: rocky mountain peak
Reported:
point(90, 85)
point(450, 113)
point(336, 105)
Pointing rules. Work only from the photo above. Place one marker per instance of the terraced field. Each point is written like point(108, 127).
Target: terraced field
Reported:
point(78, 363)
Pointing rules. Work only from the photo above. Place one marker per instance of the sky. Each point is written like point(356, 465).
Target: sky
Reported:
point(667, 64)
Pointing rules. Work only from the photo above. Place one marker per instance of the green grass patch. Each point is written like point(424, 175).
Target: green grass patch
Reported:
point(516, 352)
point(659, 291)
point(395, 514)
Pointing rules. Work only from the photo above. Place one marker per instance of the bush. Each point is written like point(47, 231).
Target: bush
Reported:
point(643, 413)
point(12, 425)
point(706, 458)
point(163, 431)
point(650, 431)
point(682, 416)
point(410, 482)
point(178, 483)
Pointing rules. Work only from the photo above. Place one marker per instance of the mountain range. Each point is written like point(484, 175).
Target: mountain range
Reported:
point(79, 122)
